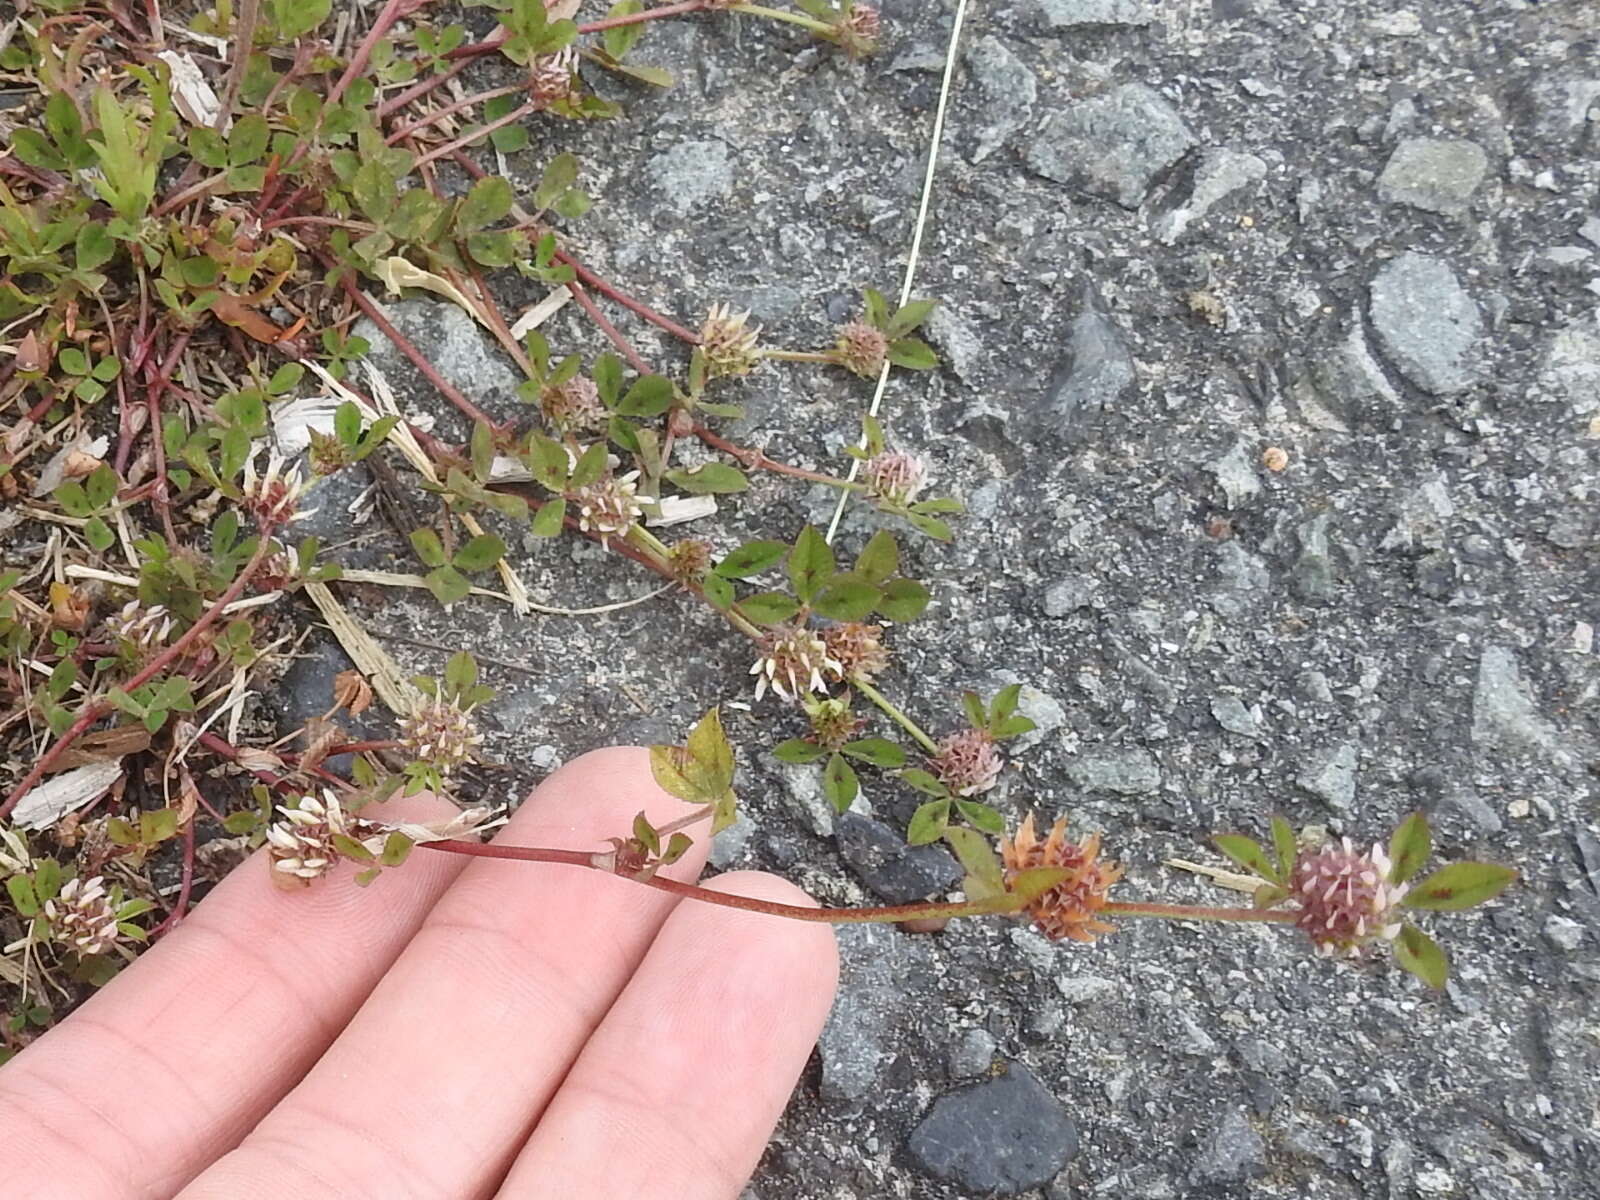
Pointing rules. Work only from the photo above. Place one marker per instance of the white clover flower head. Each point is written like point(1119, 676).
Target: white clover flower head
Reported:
point(610, 506)
point(553, 78)
point(1346, 898)
point(967, 762)
point(441, 733)
point(861, 348)
point(273, 498)
point(792, 663)
point(574, 406)
point(300, 842)
point(81, 916)
point(145, 627)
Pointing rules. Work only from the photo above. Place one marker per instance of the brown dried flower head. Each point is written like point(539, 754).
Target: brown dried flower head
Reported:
point(689, 560)
point(440, 733)
point(81, 916)
point(858, 649)
point(729, 342)
point(967, 762)
point(832, 722)
point(300, 843)
point(144, 628)
point(894, 477)
point(861, 348)
point(1346, 899)
point(858, 31)
point(553, 78)
point(573, 406)
point(792, 663)
point(1068, 909)
point(274, 497)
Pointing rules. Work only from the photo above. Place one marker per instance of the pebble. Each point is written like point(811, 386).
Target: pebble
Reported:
point(1236, 474)
point(997, 1138)
point(1437, 175)
point(1427, 324)
point(1068, 594)
point(1331, 776)
point(1243, 581)
point(1563, 933)
point(1009, 91)
point(729, 844)
point(802, 784)
point(1220, 173)
point(898, 873)
point(1230, 712)
point(1113, 145)
point(1071, 14)
point(1348, 386)
point(960, 344)
point(1129, 771)
point(1233, 1152)
point(1312, 576)
point(972, 1054)
point(1504, 715)
point(1095, 372)
point(691, 175)
point(452, 342)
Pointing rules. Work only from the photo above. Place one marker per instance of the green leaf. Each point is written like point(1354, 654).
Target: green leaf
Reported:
point(932, 527)
point(981, 816)
point(839, 783)
point(560, 175)
point(1285, 845)
point(496, 249)
point(286, 377)
point(798, 750)
point(590, 466)
point(925, 783)
point(607, 376)
point(1422, 956)
point(645, 834)
point(978, 858)
point(750, 559)
point(157, 825)
point(415, 215)
point(810, 564)
point(929, 822)
point(507, 139)
point(428, 547)
point(347, 424)
point(1409, 848)
point(296, 18)
point(621, 38)
point(33, 148)
point(447, 584)
point(768, 608)
point(710, 479)
point(844, 598)
point(1005, 702)
point(677, 846)
point(1459, 886)
point(490, 200)
point(548, 462)
point(717, 591)
point(479, 554)
point(101, 486)
point(903, 600)
point(879, 752)
point(396, 849)
point(98, 534)
point(650, 396)
point(972, 705)
point(248, 139)
point(908, 318)
point(460, 672)
point(914, 354)
point(94, 246)
point(107, 369)
point(352, 849)
point(1247, 853)
point(548, 520)
point(1012, 727)
point(710, 752)
point(879, 558)
point(73, 361)
point(1027, 886)
point(877, 308)
point(23, 898)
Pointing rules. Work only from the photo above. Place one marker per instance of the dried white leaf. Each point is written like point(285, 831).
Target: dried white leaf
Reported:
point(398, 273)
point(294, 420)
point(508, 470)
point(67, 792)
point(191, 94)
point(69, 456)
point(541, 312)
point(675, 510)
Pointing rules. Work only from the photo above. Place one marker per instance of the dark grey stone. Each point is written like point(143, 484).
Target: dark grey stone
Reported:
point(1009, 91)
point(857, 1043)
point(1068, 594)
point(1114, 145)
point(1096, 371)
point(1074, 14)
point(1427, 324)
point(895, 871)
point(1126, 771)
point(692, 174)
point(1504, 715)
point(1219, 173)
point(1331, 776)
point(972, 1053)
point(997, 1138)
point(1233, 1152)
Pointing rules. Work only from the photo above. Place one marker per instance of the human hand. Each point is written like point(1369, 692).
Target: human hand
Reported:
point(456, 1030)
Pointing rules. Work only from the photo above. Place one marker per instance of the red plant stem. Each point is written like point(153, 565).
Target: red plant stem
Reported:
point(644, 310)
point(756, 459)
point(157, 386)
point(231, 752)
point(488, 46)
point(181, 907)
point(599, 318)
point(439, 114)
point(418, 90)
point(649, 14)
point(358, 61)
point(473, 135)
point(403, 344)
point(829, 916)
point(94, 710)
point(497, 322)
point(1197, 912)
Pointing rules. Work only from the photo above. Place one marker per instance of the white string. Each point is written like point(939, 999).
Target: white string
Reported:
point(916, 241)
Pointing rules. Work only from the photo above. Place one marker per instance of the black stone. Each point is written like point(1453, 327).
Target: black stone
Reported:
point(895, 871)
point(996, 1138)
